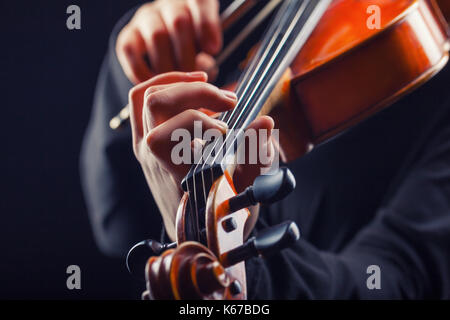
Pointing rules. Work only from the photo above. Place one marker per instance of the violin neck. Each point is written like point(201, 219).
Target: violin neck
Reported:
point(289, 30)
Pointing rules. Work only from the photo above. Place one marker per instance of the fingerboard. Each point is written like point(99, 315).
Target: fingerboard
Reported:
point(288, 32)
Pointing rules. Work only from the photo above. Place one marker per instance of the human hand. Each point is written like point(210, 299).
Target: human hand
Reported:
point(173, 101)
point(179, 35)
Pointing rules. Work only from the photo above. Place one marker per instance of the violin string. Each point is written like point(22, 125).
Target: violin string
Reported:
point(313, 14)
point(253, 72)
point(242, 110)
point(301, 30)
point(246, 31)
point(262, 63)
point(263, 50)
point(193, 203)
point(247, 97)
point(250, 71)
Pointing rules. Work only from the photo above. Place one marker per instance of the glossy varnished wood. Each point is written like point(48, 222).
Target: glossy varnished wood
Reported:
point(347, 72)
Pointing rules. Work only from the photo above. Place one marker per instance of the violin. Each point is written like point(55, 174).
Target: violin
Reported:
point(320, 69)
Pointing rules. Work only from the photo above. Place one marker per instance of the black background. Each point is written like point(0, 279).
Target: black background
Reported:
point(48, 76)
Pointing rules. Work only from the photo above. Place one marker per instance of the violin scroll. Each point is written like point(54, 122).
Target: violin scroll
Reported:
point(192, 271)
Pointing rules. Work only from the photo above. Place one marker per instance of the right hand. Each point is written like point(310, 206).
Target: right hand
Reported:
point(179, 35)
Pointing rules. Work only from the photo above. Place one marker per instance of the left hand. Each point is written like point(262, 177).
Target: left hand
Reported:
point(172, 101)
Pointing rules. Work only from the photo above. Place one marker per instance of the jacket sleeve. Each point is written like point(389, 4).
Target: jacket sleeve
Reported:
point(409, 240)
point(119, 202)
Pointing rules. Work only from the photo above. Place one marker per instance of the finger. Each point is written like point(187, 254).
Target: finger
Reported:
point(197, 149)
point(206, 20)
point(258, 154)
point(130, 50)
point(163, 102)
point(262, 123)
point(159, 139)
point(178, 21)
point(177, 76)
point(136, 96)
point(263, 127)
point(157, 42)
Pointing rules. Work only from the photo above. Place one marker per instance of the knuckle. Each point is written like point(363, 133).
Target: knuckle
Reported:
point(124, 48)
point(192, 114)
point(181, 21)
point(196, 115)
point(134, 94)
point(122, 42)
point(207, 90)
point(145, 10)
point(152, 141)
point(151, 99)
point(150, 90)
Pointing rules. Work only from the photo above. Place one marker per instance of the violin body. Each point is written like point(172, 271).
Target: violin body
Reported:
point(344, 73)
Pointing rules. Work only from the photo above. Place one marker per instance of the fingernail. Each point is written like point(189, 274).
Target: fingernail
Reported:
point(229, 94)
point(197, 74)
